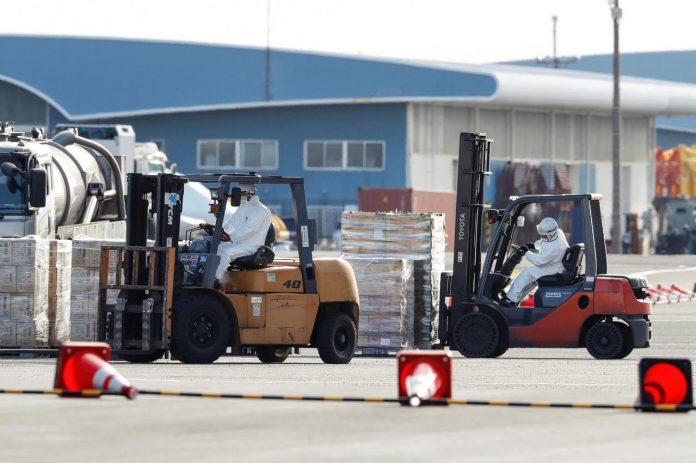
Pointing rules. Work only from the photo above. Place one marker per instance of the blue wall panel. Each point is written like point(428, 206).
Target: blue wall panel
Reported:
point(291, 126)
point(671, 138)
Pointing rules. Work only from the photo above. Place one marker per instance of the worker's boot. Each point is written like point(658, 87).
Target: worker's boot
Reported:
point(506, 302)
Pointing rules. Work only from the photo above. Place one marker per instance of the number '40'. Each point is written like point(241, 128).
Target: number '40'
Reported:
point(292, 283)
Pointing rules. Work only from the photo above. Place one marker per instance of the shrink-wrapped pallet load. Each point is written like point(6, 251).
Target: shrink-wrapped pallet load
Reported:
point(24, 292)
point(385, 286)
point(84, 298)
point(416, 237)
point(59, 290)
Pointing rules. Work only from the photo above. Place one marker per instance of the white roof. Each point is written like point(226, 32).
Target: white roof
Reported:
point(563, 89)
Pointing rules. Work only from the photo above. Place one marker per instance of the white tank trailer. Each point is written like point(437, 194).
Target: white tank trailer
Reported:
point(66, 186)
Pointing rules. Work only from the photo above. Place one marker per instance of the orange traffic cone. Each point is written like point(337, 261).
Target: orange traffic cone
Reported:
point(85, 365)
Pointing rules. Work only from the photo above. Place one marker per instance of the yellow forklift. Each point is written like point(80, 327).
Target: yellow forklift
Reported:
point(169, 301)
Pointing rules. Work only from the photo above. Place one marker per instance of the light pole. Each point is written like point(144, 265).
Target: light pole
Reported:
point(556, 61)
point(616, 136)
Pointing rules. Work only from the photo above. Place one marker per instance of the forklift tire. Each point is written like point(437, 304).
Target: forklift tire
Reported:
point(605, 341)
point(627, 347)
point(477, 335)
point(200, 329)
point(336, 337)
point(142, 358)
point(272, 354)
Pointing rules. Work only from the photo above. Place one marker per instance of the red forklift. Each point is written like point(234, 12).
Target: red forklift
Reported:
point(581, 307)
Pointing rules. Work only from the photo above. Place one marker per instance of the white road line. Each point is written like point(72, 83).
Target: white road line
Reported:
point(667, 270)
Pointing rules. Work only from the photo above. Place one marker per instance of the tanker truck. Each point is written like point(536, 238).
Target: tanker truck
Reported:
point(64, 186)
point(147, 158)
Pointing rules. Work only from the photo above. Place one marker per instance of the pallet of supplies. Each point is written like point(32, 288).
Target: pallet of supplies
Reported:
point(385, 286)
point(24, 279)
point(59, 290)
point(84, 297)
point(417, 237)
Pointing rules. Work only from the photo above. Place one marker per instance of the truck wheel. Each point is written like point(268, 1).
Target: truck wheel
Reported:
point(142, 358)
point(336, 337)
point(604, 340)
point(272, 354)
point(200, 329)
point(627, 346)
point(477, 335)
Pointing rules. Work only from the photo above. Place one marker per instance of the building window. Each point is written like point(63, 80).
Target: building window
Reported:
point(238, 154)
point(344, 155)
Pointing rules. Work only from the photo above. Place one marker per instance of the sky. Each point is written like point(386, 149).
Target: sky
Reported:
point(468, 31)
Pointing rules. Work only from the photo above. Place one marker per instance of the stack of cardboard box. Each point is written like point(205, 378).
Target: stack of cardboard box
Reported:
point(385, 286)
point(419, 238)
point(24, 292)
point(84, 300)
point(60, 269)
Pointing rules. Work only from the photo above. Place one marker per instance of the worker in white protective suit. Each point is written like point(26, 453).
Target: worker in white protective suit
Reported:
point(546, 256)
point(247, 229)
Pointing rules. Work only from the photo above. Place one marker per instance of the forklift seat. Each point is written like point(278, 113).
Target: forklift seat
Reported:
point(572, 261)
point(261, 258)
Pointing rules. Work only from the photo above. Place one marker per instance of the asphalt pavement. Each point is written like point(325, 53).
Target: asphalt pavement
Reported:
point(171, 429)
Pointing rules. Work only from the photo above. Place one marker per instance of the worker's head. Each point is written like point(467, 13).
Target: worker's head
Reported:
point(248, 190)
point(548, 229)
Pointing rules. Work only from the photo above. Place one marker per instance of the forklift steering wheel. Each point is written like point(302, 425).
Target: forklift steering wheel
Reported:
point(210, 229)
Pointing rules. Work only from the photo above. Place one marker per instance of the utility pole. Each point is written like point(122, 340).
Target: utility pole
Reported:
point(267, 68)
point(555, 61)
point(616, 136)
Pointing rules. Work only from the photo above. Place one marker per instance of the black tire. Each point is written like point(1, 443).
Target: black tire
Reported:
point(503, 343)
point(604, 341)
point(627, 347)
point(200, 329)
point(477, 335)
point(272, 354)
point(142, 358)
point(336, 337)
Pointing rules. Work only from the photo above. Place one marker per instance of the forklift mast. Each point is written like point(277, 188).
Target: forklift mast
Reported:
point(463, 282)
point(166, 192)
point(473, 166)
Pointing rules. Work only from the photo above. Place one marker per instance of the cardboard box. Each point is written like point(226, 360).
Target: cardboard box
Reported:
point(5, 250)
point(8, 278)
point(22, 306)
point(83, 307)
point(8, 337)
point(83, 331)
point(30, 252)
point(26, 333)
point(5, 306)
point(31, 279)
point(59, 253)
point(84, 280)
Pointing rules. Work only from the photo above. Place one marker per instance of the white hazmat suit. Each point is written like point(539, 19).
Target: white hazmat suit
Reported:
point(547, 261)
point(247, 228)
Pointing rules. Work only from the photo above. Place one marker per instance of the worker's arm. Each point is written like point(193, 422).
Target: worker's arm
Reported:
point(545, 256)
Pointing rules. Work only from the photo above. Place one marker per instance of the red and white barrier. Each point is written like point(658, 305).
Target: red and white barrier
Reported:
point(670, 294)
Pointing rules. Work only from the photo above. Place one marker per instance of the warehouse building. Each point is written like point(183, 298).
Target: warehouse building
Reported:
point(675, 66)
point(340, 122)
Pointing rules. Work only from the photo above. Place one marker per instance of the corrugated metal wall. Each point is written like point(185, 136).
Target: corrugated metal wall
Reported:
point(580, 140)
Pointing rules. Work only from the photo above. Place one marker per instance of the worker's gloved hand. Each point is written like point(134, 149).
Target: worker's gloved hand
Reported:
point(522, 249)
point(530, 246)
point(225, 236)
point(208, 228)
